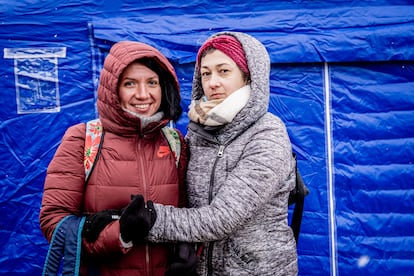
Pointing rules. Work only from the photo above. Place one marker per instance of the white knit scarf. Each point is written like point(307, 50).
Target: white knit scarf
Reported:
point(219, 112)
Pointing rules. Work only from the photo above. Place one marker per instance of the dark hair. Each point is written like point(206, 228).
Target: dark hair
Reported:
point(170, 101)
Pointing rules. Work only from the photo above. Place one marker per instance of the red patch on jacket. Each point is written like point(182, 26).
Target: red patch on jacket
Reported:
point(163, 151)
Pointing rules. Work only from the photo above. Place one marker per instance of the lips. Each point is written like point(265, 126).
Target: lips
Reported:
point(217, 96)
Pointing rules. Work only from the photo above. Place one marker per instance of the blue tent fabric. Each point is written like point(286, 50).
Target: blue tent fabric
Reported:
point(361, 34)
point(341, 79)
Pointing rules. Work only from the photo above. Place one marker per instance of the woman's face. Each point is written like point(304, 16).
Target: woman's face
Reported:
point(140, 90)
point(220, 75)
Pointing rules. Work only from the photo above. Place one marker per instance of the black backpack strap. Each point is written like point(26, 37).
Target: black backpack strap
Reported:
point(299, 202)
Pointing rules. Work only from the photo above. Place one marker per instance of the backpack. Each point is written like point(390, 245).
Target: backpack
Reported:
point(297, 197)
point(95, 135)
point(63, 255)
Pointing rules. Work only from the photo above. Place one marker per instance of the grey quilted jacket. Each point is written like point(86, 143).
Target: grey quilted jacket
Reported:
point(238, 186)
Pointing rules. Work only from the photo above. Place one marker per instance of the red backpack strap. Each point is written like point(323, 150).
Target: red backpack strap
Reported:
point(93, 141)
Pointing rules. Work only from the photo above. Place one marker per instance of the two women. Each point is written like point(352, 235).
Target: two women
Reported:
point(239, 175)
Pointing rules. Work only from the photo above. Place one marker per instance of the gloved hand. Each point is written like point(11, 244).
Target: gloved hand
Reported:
point(182, 261)
point(137, 219)
point(95, 223)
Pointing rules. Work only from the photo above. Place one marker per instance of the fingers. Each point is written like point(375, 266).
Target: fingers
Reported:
point(150, 205)
point(137, 202)
point(95, 223)
point(184, 252)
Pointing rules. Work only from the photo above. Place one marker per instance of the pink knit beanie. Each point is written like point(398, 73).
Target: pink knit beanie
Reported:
point(228, 45)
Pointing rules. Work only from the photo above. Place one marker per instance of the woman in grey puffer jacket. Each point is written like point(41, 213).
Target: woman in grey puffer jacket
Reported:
point(241, 168)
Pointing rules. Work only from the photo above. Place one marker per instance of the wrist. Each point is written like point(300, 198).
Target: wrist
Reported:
point(125, 244)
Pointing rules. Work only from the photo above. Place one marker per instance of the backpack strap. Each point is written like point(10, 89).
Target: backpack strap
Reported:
point(95, 136)
point(93, 141)
point(65, 247)
point(174, 141)
point(300, 191)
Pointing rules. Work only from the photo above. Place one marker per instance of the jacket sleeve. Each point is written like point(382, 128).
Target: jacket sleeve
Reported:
point(107, 244)
point(247, 188)
point(64, 189)
point(64, 183)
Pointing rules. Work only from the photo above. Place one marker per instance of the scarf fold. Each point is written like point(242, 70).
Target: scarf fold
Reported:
point(221, 111)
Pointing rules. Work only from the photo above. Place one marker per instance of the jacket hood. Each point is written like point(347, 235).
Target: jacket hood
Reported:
point(113, 117)
point(258, 62)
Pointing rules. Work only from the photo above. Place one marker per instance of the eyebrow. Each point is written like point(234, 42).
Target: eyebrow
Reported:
point(218, 65)
point(132, 78)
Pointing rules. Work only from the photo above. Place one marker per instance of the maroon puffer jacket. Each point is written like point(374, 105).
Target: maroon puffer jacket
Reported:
point(132, 161)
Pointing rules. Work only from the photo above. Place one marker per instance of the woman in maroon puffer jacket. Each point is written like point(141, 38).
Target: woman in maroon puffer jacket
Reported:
point(138, 95)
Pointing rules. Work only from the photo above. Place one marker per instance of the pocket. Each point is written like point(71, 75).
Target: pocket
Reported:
point(238, 260)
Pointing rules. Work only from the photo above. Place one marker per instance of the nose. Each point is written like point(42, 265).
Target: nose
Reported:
point(141, 91)
point(214, 80)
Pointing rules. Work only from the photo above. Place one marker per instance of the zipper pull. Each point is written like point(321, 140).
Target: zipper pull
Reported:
point(220, 151)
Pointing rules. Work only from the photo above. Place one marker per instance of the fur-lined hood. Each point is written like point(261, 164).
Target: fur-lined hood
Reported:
point(258, 62)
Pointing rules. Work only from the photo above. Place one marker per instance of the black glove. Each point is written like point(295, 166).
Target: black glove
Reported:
point(183, 260)
point(95, 223)
point(137, 219)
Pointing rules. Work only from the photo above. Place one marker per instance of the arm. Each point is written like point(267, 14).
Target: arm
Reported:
point(64, 193)
point(64, 184)
point(247, 188)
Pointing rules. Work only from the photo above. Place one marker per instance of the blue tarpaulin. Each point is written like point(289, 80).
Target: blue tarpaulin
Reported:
point(342, 80)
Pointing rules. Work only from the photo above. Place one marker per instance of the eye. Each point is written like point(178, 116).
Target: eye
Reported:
point(128, 83)
point(205, 74)
point(224, 71)
point(153, 82)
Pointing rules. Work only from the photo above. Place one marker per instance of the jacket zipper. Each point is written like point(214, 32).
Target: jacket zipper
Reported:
point(210, 189)
point(144, 185)
point(210, 198)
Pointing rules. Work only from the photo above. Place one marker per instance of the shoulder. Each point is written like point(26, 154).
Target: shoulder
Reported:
point(272, 120)
point(75, 131)
point(269, 133)
point(72, 142)
point(269, 124)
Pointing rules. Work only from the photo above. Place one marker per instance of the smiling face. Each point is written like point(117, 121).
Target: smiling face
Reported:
point(140, 90)
point(220, 75)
